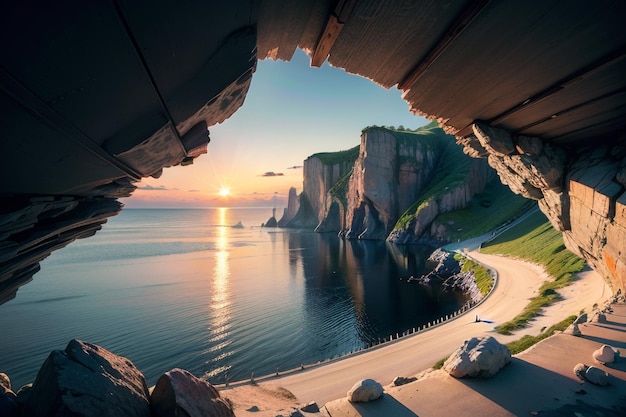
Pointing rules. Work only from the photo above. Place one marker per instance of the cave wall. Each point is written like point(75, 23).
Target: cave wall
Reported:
point(581, 190)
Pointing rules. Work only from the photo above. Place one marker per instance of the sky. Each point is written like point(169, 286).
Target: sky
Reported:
point(291, 112)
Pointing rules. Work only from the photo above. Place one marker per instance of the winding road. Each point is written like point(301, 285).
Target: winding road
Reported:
point(518, 281)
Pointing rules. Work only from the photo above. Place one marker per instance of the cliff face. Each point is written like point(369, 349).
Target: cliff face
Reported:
point(580, 190)
point(397, 175)
point(391, 171)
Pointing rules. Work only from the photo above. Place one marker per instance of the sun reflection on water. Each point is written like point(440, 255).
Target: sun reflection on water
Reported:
point(220, 303)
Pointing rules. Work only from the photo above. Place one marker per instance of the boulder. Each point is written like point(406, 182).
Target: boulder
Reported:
point(5, 382)
point(8, 400)
point(87, 380)
point(179, 393)
point(580, 369)
point(402, 380)
point(23, 393)
point(478, 357)
point(573, 330)
point(596, 376)
point(311, 407)
point(605, 354)
point(364, 391)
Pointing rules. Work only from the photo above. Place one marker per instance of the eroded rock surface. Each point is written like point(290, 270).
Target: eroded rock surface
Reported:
point(87, 380)
point(581, 191)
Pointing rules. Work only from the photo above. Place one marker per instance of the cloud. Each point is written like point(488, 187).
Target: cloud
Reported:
point(148, 187)
point(272, 174)
point(193, 191)
point(295, 167)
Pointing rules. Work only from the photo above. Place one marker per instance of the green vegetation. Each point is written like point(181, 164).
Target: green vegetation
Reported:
point(340, 189)
point(452, 170)
point(537, 241)
point(482, 277)
point(527, 341)
point(440, 362)
point(332, 158)
point(495, 206)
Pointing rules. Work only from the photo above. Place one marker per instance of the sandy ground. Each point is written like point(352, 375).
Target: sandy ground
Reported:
point(518, 281)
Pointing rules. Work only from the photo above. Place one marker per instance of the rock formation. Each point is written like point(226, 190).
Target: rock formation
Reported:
point(478, 357)
point(179, 393)
point(87, 380)
point(395, 174)
point(364, 391)
point(293, 204)
point(581, 191)
point(31, 227)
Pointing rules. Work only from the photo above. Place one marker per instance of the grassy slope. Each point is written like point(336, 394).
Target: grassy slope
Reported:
point(495, 206)
point(537, 241)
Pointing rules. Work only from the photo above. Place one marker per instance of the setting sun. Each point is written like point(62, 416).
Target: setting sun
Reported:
point(224, 192)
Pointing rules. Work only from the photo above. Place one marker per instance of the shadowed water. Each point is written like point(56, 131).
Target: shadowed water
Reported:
point(182, 288)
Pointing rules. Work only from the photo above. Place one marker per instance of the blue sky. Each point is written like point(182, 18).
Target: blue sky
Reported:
point(291, 112)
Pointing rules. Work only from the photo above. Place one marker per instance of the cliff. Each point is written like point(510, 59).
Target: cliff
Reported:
point(398, 175)
point(320, 172)
point(579, 189)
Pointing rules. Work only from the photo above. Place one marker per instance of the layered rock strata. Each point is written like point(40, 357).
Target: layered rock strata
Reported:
point(31, 227)
point(581, 191)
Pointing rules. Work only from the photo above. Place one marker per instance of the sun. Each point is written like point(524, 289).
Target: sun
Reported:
point(224, 192)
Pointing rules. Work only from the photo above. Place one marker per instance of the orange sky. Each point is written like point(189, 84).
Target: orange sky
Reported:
point(291, 112)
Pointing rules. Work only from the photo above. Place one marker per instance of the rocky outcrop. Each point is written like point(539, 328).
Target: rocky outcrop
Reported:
point(293, 204)
point(320, 173)
point(581, 191)
point(87, 380)
point(478, 357)
point(31, 227)
point(363, 197)
point(179, 393)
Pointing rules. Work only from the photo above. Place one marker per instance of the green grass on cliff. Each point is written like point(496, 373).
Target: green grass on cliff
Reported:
point(331, 158)
point(340, 189)
point(488, 210)
point(451, 171)
point(537, 241)
point(482, 277)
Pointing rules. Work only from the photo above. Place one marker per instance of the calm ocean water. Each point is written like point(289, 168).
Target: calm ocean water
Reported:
point(182, 288)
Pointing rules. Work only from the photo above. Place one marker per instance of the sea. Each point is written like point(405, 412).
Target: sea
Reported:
point(183, 288)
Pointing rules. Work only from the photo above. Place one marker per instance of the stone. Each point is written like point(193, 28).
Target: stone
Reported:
point(8, 404)
point(180, 393)
point(573, 330)
point(253, 409)
point(5, 381)
point(403, 380)
point(364, 391)
point(478, 357)
point(87, 380)
point(495, 140)
point(605, 354)
point(529, 145)
point(596, 376)
point(580, 369)
point(23, 393)
point(295, 413)
point(311, 407)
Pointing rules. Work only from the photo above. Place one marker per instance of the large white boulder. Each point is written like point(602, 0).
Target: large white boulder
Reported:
point(478, 357)
point(605, 354)
point(596, 376)
point(364, 391)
